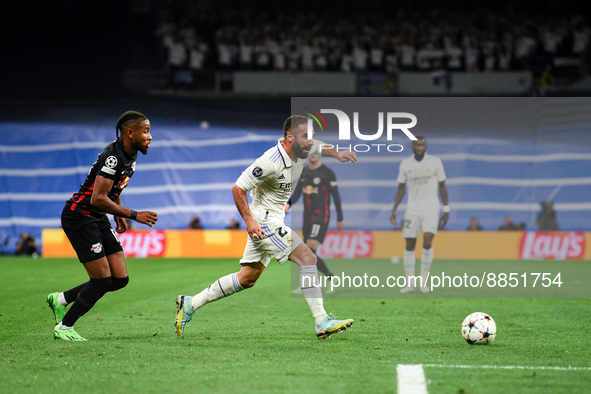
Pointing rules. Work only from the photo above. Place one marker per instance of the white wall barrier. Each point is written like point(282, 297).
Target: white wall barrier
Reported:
point(438, 83)
point(325, 83)
point(408, 83)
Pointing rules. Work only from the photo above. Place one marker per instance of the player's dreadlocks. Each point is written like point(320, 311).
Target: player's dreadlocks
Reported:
point(127, 118)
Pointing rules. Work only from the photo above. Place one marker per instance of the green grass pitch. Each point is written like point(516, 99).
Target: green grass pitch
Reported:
point(263, 340)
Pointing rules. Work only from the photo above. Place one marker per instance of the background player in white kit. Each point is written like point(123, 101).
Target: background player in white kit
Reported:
point(423, 173)
point(271, 178)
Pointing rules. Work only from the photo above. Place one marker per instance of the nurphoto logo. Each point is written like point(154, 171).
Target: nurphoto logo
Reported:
point(345, 129)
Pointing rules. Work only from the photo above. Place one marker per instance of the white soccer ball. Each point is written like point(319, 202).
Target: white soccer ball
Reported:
point(479, 328)
point(204, 125)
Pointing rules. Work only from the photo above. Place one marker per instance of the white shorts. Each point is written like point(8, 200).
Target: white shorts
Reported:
point(278, 243)
point(414, 224)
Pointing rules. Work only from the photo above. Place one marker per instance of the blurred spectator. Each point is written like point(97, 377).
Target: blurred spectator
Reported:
point(262, 55)
point(234, 225)
point(195, 223)
point(474, 225)
point(581, 36)
point(547, 217)
point(359, 56)
point(407, 61)
point(547, 80)
point(347, 62)
point(551, 41)
point(177, 57)
point(454, 55)
point(471, 55)
point(508, 225)
point(505, 58)
point(226, 54)
point(376, 55)
point(525, 46)
point(26, 245)
point(489, 52)
point(246, 50)
point(464, 41)
point(198, 52)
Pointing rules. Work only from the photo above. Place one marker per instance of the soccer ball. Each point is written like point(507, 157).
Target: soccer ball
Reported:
point(479, 329)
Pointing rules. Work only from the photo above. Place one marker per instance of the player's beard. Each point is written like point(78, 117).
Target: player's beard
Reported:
point(298, 151)
point(143, 149)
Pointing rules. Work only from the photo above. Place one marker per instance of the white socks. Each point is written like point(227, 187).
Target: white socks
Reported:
point(426, 260)
point(229, 284)
point(223, 287)
point(310, 285)
point(409, 267)
point(61, 299)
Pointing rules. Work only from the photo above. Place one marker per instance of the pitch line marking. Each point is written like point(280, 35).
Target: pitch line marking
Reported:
point(411, 379)
point(569, 368)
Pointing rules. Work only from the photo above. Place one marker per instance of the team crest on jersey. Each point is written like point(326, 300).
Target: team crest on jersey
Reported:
point(257, 172)
point(310, 190)
point(111, 162)
point(316, 180)
point(97, 248)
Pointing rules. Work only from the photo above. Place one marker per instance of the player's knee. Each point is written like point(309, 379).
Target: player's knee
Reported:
point(119, 283)
point(103, 284)
point(94, 290)
point(308, 260)
point(248, 284)
point(249, 280)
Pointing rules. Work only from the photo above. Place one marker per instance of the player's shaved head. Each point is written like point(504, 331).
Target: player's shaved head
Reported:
point(419, 146)
point(293, 122)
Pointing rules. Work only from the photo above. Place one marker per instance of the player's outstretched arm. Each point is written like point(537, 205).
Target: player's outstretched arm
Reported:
point(100, 199)
point(252, 226)
point(342, 156)
point(397, 200)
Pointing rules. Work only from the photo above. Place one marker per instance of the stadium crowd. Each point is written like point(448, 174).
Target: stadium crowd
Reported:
point(409, 41)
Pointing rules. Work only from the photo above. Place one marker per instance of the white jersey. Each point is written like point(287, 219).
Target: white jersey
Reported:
point(271, 178)
point(422, 178)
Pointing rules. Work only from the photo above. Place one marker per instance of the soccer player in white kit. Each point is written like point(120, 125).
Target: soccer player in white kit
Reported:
point(423, 173)
point(271, 179)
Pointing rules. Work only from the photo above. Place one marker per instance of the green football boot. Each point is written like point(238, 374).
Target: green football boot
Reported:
point(67, 334)
point(59, 311)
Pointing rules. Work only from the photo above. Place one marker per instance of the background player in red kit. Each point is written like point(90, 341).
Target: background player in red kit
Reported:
point(86, 225)
point(317, 184)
